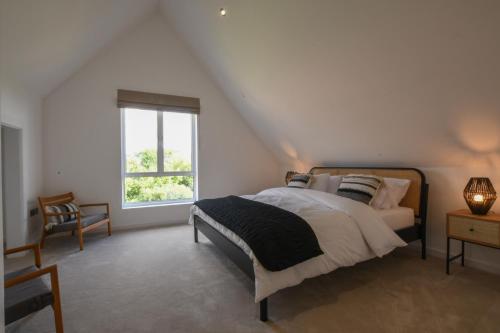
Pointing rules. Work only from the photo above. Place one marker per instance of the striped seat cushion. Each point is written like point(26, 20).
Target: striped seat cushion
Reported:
point(300, 180)
point(359, 187)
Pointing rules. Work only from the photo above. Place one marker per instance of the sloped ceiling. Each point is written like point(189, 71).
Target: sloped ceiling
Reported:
point(44, 42)
point(388, 82)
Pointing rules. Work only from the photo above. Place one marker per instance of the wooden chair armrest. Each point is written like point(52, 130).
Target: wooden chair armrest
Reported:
point(94, 204)
point(105, 204)
point(52, 270)
point(36, 251)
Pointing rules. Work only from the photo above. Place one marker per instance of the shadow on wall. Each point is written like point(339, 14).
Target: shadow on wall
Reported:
point(477, 135)
point(294, 162)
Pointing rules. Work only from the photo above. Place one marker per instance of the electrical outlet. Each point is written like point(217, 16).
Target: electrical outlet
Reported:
point(33, 211)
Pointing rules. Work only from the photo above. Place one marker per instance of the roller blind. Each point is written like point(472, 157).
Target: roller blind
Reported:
point(161, 102)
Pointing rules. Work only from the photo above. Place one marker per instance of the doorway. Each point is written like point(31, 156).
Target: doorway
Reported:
point(12, 196)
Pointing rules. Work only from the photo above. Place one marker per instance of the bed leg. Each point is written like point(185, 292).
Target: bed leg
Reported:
point(195, 235)
point(263, 309)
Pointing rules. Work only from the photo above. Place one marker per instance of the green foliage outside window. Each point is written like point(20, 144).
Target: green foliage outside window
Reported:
point(147, 189)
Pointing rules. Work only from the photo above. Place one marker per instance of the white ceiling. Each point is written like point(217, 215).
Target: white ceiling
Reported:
point(387, 81)
point(44, 42)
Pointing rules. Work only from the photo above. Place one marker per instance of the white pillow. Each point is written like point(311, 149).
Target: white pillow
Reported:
point(383, 200)
point(334, 183)
point(320, 182)
point(391, 193)
point(397, 188)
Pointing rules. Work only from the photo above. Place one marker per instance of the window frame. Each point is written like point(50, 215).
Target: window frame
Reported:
point(160, 161)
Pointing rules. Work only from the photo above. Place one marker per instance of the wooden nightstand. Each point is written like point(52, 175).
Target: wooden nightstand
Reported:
point(476, 229)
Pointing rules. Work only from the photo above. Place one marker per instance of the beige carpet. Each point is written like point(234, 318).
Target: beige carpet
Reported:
point(159, 280)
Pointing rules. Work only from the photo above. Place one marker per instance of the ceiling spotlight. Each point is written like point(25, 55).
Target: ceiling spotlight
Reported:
point(223, 11)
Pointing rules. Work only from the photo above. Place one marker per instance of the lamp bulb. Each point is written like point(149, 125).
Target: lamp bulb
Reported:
point(478, 198)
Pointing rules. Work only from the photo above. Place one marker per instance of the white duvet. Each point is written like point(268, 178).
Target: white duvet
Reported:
point(348, 232)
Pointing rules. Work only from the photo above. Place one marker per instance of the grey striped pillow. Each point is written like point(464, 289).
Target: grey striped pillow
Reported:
point(300, 180)
point(359, 187)
point(67, 207)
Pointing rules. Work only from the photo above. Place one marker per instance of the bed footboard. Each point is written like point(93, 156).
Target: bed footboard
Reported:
point(237, 255)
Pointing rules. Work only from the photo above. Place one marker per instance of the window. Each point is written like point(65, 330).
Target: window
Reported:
point(158, 157)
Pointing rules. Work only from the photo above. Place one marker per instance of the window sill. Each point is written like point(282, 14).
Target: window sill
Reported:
point(156, 204)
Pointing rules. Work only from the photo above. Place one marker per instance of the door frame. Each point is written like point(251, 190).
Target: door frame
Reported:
point(22, 229)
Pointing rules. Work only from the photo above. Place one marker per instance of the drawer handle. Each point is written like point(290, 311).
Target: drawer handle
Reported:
point(471, 229)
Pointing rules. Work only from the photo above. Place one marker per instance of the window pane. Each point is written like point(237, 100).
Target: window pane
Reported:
point(177, 141)
point(151, 189)
point(141, 140)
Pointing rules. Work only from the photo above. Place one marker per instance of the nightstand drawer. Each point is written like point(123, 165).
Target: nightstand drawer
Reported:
point(474, 230)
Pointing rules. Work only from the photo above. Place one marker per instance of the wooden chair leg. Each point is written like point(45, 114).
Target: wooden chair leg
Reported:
point(109, 227)
point(80, 238)
point(56, 306)
point(58, 318)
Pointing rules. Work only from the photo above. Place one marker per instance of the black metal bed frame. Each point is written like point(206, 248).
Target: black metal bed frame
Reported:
point(241, 259)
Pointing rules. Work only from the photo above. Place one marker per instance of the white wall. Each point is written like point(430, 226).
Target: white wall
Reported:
point(82, 126)
point(22, 110)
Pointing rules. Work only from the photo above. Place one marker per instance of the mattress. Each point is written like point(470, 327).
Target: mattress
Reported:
point(397, 218)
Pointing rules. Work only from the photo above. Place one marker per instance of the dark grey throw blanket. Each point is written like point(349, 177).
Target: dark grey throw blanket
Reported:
point(278, 238)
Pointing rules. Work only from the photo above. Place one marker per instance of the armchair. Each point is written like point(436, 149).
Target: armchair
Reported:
point(75, 221)
point(25, 291)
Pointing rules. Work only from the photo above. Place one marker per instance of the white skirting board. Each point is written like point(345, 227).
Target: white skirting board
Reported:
point(469, 262)
point(138, 226)
point(103, 229)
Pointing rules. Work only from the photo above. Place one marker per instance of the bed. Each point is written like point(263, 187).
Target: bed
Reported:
point(352, 242)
